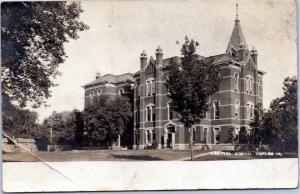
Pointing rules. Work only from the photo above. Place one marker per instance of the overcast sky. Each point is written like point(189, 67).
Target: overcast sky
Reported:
point(120, 30)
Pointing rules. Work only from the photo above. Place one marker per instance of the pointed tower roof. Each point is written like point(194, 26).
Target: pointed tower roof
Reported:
point(237, 37)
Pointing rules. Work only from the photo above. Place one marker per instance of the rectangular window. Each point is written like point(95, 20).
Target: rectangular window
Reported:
point(91, 97)
point(236, 82)
point(153, 113)
point(251, 111)
point(217, 135)
point(247, 84)
point(237, 108)
point(251, 85)
point(148, 88)
point(153, 88)
point(217, 110)
point(148, 114)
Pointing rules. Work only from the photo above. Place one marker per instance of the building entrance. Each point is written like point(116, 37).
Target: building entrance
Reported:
point(169, 137)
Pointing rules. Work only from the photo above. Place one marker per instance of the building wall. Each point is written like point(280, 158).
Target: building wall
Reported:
point(232, 89)
point(92, 93)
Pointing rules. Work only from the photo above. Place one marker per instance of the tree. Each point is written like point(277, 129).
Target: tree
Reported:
point(33, 35)
point(66, 128)
point(107, 119)
point(190, 85)
point(18, 122)
point(257, 132)
point(280, 122)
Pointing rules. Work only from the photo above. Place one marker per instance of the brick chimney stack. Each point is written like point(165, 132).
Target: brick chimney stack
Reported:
point(143, 59)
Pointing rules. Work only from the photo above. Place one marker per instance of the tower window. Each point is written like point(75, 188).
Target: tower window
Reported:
point(251, 111)
point(237, 108)
point(251, 85)
point(236, 81)
point(148, 88)
point(216, 110)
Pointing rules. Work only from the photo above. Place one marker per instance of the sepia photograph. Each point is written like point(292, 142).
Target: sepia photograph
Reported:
point(109, 95)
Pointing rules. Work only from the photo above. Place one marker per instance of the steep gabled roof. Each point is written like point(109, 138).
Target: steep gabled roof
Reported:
point(237, 37)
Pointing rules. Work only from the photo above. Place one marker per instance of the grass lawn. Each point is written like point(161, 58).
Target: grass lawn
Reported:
point(100, 155)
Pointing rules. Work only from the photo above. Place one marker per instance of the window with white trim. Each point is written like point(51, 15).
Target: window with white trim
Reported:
point(236, 81)
point(153, 113)
point(251, 85)
point(250, 111)
point(247, 84)
point(148, 88)
point(217, 135)
point(148, 113)
point(91, 97)
point(236, 109)
point(153, 88)
point(216, 109)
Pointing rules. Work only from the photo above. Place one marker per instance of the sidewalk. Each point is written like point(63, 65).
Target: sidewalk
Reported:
point(195, 156)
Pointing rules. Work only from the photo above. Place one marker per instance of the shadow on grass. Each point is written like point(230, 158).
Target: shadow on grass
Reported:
point(135, 157)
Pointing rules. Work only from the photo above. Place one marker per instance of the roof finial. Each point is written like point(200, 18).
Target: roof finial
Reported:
point(237, 11)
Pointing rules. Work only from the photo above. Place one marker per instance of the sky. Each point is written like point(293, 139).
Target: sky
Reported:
point(120, 30)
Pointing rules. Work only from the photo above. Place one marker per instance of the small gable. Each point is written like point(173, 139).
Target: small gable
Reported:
point(250, 67)
point(150, 68)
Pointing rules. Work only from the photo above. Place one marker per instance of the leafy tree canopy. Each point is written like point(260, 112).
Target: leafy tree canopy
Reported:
point(106, 119)
point(32, 46)
point(190, 83)
point(67, 128)
point(279, 124)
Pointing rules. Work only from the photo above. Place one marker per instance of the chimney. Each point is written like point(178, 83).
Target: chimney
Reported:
point(143, 59)
point(253, 53)
point(159, 56)
point(242, 52)
point(98, 75)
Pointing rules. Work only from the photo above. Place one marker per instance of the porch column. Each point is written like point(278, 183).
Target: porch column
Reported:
point(119, 140)
point(173, 140)
point(165, 140)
